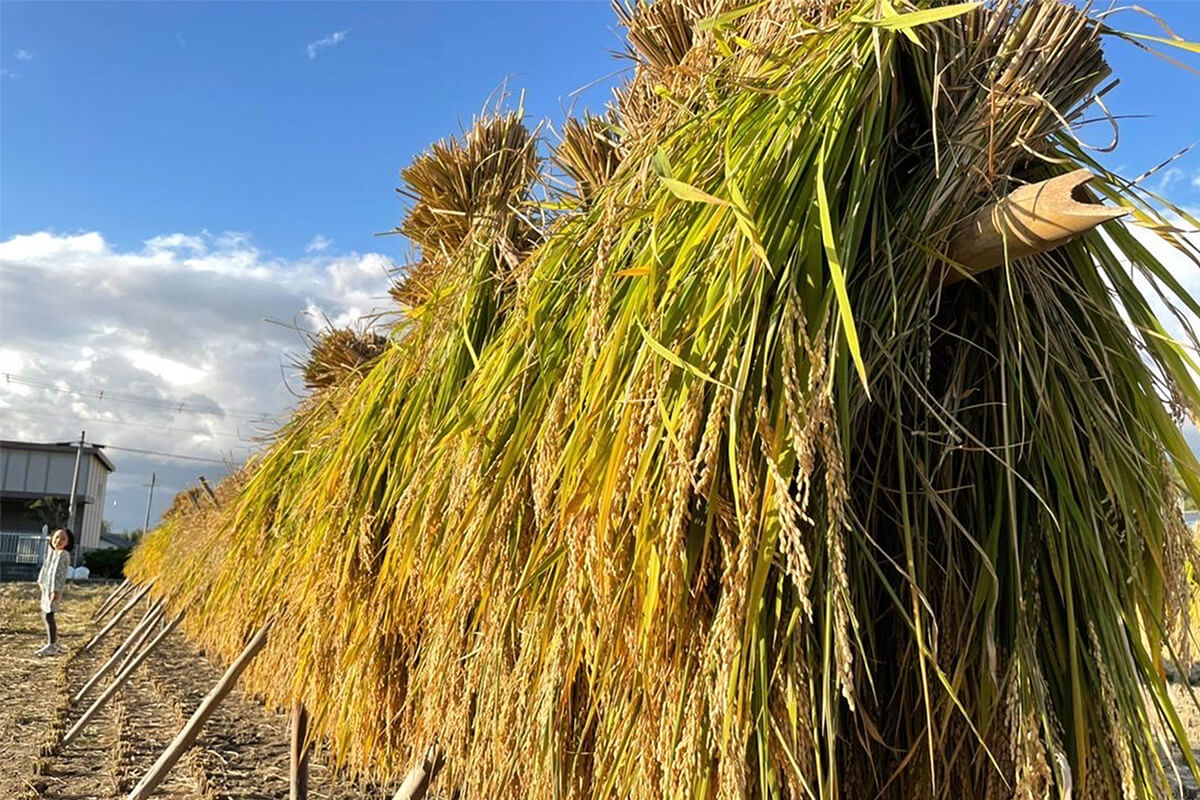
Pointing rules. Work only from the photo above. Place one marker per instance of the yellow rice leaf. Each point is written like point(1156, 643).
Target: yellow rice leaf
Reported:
point(653, 568)
point(634, 272)
point(1182, 44)
point(911, 19)
point(836, 276)
point(690, 193)
point(675, 360)
point(729, 16)
point(745, 222)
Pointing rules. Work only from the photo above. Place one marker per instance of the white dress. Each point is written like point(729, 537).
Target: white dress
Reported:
point(53, 578)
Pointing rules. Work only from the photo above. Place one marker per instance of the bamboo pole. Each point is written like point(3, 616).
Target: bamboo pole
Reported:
point(187, 736)
point(118, 681)
point(1033, 219)
point(138, 635)
point(416, 783)
point(120, 591)
point(298, 773)
point(161, 624)
point(120, 615)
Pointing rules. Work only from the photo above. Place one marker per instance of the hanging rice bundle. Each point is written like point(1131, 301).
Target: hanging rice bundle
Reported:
point(470, 188)
point(339, 354)
point(589, 153)
point(307, 527)
point(188, 546)
point(739, 485)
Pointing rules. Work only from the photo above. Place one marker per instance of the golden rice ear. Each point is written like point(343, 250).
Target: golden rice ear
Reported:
point(340, 353)
point(589, 152)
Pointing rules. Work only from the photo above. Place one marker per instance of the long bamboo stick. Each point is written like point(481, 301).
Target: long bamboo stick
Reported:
point(118, 681)
point(111, 600)
point(138, 634)
point(1033, 219)
point(187, 736)
point(146, 634)
point(416, 783)
point(298, 772)
point(120, 615)
point(132, 641)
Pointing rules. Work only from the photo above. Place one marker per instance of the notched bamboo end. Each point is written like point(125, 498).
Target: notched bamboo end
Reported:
point(1032, 219)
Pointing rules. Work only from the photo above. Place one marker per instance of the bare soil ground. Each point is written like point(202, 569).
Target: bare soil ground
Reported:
point(1182, 696)
point(242, 753)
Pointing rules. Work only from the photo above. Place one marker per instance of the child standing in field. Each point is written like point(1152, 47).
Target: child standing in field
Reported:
point(51, 580)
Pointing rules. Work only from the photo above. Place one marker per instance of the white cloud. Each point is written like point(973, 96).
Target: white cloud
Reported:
point(329, 41)
point(8, 73)
point(180, 319)
point(1196, 179)
point(319, 244)
point(1168, 179)
point(23, 55)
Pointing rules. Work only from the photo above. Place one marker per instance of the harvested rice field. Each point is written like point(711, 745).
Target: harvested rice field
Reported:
point(242, 753)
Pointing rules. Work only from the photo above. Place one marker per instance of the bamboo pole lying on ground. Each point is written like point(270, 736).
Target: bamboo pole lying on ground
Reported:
point(187, 736)
point(118, 681)
point(298, 773)
point(416, 783)
point(1032, 219)
point(120, 615)
point(138, 634)
point(117, 593)
point(161, 624)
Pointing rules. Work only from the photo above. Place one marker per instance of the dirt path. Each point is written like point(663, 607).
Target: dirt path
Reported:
point(242, 753)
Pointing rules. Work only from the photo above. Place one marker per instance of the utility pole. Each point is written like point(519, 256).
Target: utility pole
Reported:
point(71, 502)
point(149, 500)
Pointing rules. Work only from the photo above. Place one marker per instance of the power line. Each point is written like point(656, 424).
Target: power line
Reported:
point(177, 406)
point(165, 455)
point(99, 421)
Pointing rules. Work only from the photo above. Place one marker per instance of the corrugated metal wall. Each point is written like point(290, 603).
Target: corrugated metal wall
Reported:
point(39, 472)
point(93, 512)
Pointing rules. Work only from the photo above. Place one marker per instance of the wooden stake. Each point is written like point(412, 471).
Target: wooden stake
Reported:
point(1033, 219)
point(118, 681)
point(187, 736)
point(416, 783)
point(211, 494)
point(120, 615)
point(138, 634)
point(298, 776)
point(112, 599)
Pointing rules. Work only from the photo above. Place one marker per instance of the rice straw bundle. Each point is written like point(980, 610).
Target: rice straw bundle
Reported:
point(719, 491)
point(340, 354)
point(589, 153)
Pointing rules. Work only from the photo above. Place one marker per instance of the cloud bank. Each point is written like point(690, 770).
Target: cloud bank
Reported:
point(111, 340)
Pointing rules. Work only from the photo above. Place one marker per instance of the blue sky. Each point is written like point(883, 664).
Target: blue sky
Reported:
point(173, 173)
point(140, 118)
